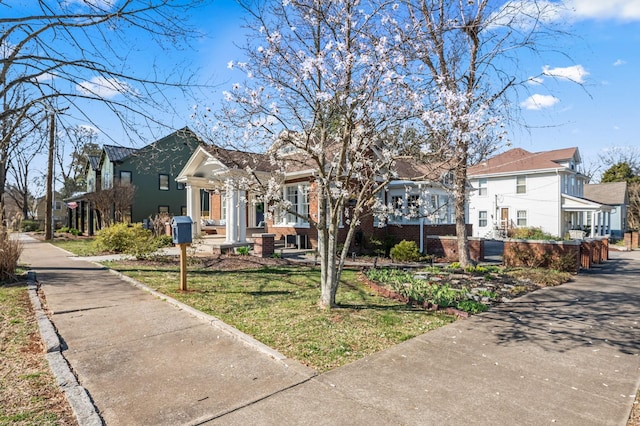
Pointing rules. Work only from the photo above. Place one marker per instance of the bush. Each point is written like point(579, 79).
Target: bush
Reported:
point(127, 239)
point(164, 241)
point(30, 226)
point(243, 251)
point(531, 233)
point(10, 251)
point(405, 251)
point(67, 230)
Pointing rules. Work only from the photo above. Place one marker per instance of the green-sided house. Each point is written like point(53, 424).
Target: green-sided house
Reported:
point(150, 171)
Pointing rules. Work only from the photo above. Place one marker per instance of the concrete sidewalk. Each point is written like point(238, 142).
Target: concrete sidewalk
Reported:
point(565, 355)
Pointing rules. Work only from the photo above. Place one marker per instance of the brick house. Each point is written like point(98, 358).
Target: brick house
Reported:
point(236, 214)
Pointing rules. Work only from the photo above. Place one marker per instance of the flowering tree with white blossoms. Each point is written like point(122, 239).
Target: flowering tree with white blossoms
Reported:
point(463, 57)
point(320, 94)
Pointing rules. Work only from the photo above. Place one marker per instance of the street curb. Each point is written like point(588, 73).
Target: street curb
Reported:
point(83, 408)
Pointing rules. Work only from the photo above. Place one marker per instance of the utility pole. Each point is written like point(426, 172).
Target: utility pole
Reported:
point(49, 221)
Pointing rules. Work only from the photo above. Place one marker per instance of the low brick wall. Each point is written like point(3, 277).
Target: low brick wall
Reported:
point(263, 245)
point(446, 248)
point(562, 255)
point(631, 239)
point(556, 254)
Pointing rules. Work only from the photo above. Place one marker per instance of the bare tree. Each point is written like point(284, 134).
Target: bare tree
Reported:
point(63, 54)
point(321, 95)
point(113, 204)
point(21, 173)
point(19, 138)
point(462, 56)
point(74, 146)
point(624, 166)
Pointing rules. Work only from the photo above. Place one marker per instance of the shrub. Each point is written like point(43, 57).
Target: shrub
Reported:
point(30, 225)
point(405, 251)
point(243, 251)
point(531, 233)
point(472, 306)
point(10, 251)
point(164, 240)
point(382, 247)
point(127, 239)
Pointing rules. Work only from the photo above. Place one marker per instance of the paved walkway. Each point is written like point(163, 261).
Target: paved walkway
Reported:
point(567, 355)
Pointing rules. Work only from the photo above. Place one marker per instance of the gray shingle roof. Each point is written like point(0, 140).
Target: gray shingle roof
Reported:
point(612, 193)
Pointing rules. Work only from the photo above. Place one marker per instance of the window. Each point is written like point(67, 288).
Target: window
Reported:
point(413, 206)
point(163, 209)
point(449, 179)
point(163, 182)
point(125, 177)
point(482, 187)
point(397, 207)
point(223, 206)
point(482, 218)
point(521, 184)
point(521, 216)
point(179, 186)
point(298, 197)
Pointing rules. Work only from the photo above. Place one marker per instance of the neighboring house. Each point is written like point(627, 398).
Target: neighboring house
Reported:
point(544, 189)
point(151, 170)
point(59, 210)
point(236, 214)
point(615, 195)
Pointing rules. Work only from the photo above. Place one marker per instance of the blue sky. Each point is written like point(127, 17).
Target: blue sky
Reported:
point(603, 55)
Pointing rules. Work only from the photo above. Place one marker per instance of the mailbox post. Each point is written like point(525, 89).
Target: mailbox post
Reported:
point(181, 234)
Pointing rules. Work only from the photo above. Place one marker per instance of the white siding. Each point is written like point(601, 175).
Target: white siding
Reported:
point(541, 201)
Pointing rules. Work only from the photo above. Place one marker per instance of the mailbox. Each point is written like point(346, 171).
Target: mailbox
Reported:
point(181, 229)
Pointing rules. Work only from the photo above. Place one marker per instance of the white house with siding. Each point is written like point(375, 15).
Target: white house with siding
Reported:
point(544, 189)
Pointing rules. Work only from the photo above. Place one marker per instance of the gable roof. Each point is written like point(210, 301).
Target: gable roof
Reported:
point(612, 193)
point(117, 153)
point(408, 168)
point(240, 159)
point(519, 160)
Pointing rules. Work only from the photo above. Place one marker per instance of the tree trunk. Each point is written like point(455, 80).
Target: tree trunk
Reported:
point(461, 218)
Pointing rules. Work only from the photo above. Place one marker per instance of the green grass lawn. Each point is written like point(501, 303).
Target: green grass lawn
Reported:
point(278, 306)
point(79, 247)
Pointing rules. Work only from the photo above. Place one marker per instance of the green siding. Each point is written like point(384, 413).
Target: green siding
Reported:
point(165, 156)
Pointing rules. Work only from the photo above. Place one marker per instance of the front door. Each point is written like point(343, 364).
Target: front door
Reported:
point(504, 218)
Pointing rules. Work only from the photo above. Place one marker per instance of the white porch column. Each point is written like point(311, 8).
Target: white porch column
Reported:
point(607, 229)
point(242, 216)
point(232, 216)
point(193, 208)
point(593, 224)
point(600, 220)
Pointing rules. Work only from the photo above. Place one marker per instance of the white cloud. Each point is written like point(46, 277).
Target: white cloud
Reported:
point(538, 101)
point(103, 87)
point(575, 73)
point(627, 10)
point(526, 14)
point(45, 77)
point(619, 62)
